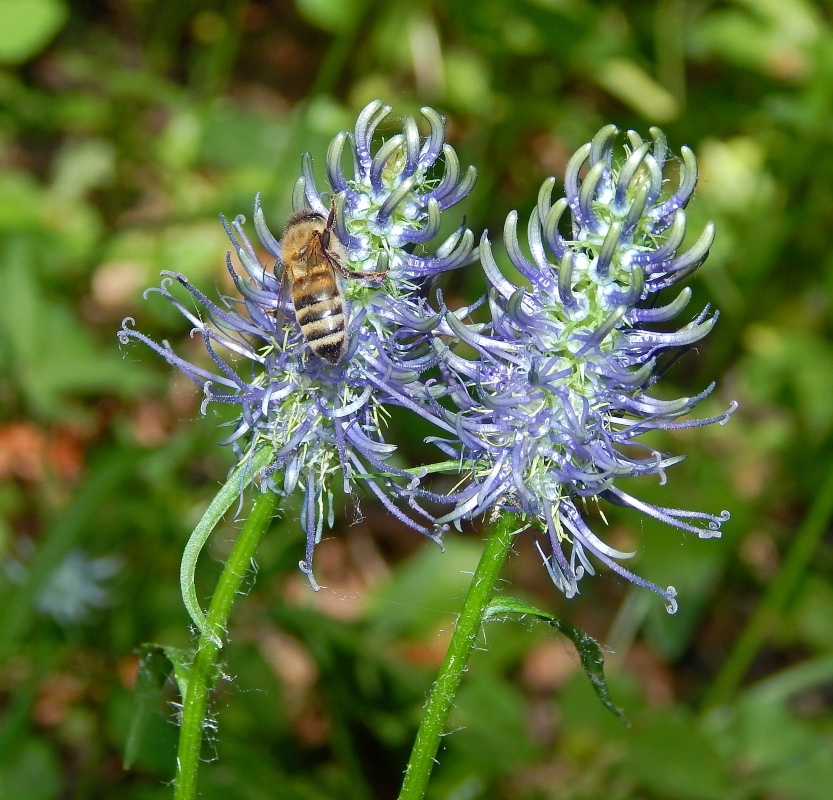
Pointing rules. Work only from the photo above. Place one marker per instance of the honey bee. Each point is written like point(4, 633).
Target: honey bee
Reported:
point(312, 254)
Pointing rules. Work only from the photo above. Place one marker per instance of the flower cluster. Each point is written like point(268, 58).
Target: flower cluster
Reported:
point(551, 409)
point(393, 201)
point(561, 383)
point(321, 419)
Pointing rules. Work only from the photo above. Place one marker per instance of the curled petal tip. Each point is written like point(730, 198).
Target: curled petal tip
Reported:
point(601, 148)
point(307, 570)
point(333, 163)
point(733, 406)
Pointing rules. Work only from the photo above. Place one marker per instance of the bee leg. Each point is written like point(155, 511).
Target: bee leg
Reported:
point(324, 238)
point(347, 273)
point(373, 277)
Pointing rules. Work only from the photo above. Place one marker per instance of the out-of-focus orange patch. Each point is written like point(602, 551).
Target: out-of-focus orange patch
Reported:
point(29, 452)
point(149, 423)
point(542, 719)
point(655, 678)
point(256, 16)
point(428, 653)
point(57, 695)
point(346, 571)
point(287, 55)
point(297, 672)
point(118, 284)
point(66, 453)
point(752, 474)
point(345, 601)
point(622, 537)
point(183, 396)
point(758, 551)
point(128, 671)
point(366, 556)
point(551, 153)
point(312, 727)
point(548, 665)
point(23, 449)
point(291, 662)
point(787, 64)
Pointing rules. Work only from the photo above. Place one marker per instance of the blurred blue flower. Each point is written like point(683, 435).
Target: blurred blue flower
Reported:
point(322, 419)
point(76, 587)
point(551, 413)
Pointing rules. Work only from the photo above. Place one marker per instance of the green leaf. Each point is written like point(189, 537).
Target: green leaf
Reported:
point(628, 82)
point(230, 491)
point(26, 26)
point(49, 375)
point(233, 138)
point(335, 16)
point(33, 771)
point(671, 757)
point(780, 687)
point(589, 651)
point(438, 578)
point(491, 727)
point(155, 663)
point(812, 616)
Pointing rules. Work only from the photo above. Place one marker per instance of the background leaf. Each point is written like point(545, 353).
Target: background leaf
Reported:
point(26, 26)
point(155, 665)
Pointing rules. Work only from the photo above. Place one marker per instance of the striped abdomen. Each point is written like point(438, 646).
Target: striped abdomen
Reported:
point(319, 309)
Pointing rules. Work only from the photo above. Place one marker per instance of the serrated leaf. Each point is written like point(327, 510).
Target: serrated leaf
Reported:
point(155, 664)
point(589, 651)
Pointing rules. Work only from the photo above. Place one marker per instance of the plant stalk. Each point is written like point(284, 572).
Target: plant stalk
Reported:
point(203, 671)
point(479, 595)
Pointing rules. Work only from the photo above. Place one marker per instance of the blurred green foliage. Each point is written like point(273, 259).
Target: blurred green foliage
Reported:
point(125, 128)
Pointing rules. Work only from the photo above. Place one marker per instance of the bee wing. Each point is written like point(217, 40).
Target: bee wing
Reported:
point(283, 296)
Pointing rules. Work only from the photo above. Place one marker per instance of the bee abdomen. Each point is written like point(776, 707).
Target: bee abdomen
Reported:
point(322, 324)
point(318, 310)
point(330, 347)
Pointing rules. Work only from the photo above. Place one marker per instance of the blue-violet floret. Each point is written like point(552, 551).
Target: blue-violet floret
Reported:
point(561, 382)
point(319, 419)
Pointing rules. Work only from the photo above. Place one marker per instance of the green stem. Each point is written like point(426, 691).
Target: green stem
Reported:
point(204, 669)
point(775, 599)
point(468, 625)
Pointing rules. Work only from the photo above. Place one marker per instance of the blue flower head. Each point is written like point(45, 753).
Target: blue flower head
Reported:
point(322, 420)
point(394, 200)
point(562, 383)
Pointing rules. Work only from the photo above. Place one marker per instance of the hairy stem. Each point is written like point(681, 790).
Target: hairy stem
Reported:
point(203, 671)
point(465, 634)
